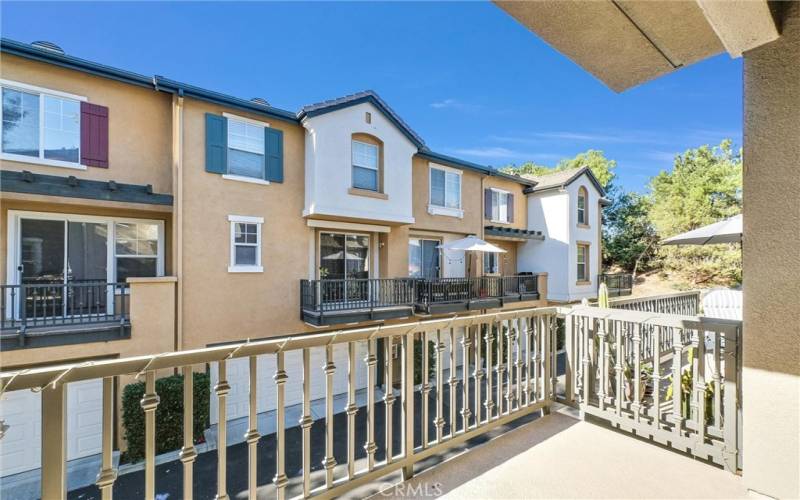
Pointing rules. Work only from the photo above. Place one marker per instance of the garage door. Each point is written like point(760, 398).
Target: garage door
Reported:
point(239, 379)
point(20, 448)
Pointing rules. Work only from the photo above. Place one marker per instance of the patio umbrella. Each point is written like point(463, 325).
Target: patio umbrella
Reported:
point(726, 231)
point(471, 244)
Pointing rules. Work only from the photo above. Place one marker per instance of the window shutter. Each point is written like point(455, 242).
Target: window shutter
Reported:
point(510, 207)
point(273, 150)
point(94, 135)
point(487, 204)
point(216, 144)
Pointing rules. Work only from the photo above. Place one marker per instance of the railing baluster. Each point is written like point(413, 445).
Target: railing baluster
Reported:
point(352, 410)
point(408, 404)
point(657, 375)
point(637, 372)
point(280, 480)
point(188, 453)
point(465, 411)
point(439, 421)
point(453, 382)
point(478, 373)
point(330, 462)
point(526, 365)
point(546, 350)
point(509, 396)
point(699, 385)
point(388, 397)
point(252, 436)
point(221, 389)
point(677, 411)
point(426, 389)
point(717, 381)
point(148, 403)
point(489, 339)
point(107, 475)
point(500, 368)
point(518, 362)
point(730, 406)
point(370, 446)
point(54, 438)
point(306, 421)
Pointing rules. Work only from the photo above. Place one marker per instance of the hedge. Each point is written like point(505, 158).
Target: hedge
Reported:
point(169, 414)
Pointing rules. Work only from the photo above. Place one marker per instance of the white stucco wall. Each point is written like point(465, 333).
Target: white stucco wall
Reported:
point(555, 214)
point(329, 169)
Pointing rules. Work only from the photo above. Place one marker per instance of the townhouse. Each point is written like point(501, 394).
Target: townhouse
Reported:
point(144, 215)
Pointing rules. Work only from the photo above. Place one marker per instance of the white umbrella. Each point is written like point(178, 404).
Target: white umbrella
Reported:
point(726, 231)
point(471, 244)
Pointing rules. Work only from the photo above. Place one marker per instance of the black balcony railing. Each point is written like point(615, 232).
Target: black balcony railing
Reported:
point(618, 284)
point(397, 297)
point(27, 306)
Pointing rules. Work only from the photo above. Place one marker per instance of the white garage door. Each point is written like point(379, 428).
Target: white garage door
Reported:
point(239, 379)
point(20, 448)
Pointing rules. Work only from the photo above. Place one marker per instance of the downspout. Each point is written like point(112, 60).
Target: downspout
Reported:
point(177, 211)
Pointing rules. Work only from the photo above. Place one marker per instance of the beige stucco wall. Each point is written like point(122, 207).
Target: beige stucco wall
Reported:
point(520, 203)
point(139, 124)
point(219, 306)
point(471, 196)
point(508, 260)
point(771, 251)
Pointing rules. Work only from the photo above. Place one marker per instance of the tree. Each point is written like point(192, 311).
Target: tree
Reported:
point(630, 238)
point(601, 167)
point(704, 186)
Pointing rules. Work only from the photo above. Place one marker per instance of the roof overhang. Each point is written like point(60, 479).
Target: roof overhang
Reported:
point(626, 42)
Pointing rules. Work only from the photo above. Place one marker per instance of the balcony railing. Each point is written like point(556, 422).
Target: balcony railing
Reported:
point(351, 300)
point(618, 284)
point(671, 379)
point(684, 303)
point(28, 307)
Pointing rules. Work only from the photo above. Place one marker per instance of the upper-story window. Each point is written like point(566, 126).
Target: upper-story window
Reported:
point(366, 165)
point(583, 215)
point(245, 148)
point(40, 125)
point(500, 206)
point(445, 191)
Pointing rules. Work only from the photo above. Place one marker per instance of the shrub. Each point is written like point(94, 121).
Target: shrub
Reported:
point(169, 414)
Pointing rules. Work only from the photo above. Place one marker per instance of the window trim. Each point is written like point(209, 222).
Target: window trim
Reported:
point(377, 167)
point(440, 209)
point(587, 279)
point(582, 193)
point(245, 219)
point(13, 239)
point(507, 194)
point(41, 92)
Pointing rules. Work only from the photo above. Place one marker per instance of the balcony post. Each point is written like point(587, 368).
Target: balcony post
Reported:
point(54, 432)
point(188, 453)
point(149, 403)
point(569, 373)
point(107, 475)
point(408, 405)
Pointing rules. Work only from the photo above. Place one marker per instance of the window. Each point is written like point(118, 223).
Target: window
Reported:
point(445, 191)
point(136, 249)
point(41, 125)
point(491, 263)
point(245, 149)
point(245, 244)
point(500, 200)
point(583, 262)
point(423, 258)
point(582, 215)
point(365, 165)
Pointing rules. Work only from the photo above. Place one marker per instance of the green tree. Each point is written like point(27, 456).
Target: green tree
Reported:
point(629, 237)
point(704, 186)
point(601, 167)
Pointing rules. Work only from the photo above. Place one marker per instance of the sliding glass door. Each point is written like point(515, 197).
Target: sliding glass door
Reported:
point(344, 260)
point(424, 258)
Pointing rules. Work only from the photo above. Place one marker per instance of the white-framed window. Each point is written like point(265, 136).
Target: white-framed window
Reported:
point(491, 263)
point(245, 244)
point(41, 125)
point(445, 191)
point(136, 249)
point(582, 216)
point(366, 160)
point(245, 148)
point(583, 262)
point(500, 212)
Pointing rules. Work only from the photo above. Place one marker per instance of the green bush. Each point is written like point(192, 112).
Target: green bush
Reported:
point(169, 414)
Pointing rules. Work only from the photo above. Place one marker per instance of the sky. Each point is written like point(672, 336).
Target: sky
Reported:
point(465, 76)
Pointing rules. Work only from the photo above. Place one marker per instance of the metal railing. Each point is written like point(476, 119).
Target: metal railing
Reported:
point(683, 303)
point(507, 371)
point(450, 290)
point(618, 284)
point(673, 379)
point(30, 305)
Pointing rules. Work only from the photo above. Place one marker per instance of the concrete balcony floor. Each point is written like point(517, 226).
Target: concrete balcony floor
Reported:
point(559, 456)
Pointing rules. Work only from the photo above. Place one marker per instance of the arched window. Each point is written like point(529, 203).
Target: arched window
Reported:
point(583, 207)
point(367, 162)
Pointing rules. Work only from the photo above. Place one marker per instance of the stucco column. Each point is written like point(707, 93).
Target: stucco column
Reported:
point(771, 348)
point(394, 253)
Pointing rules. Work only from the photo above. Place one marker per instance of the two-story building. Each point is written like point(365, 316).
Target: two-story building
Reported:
point(144, 215)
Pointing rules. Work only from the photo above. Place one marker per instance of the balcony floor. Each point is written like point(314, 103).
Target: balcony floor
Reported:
point(558, 456)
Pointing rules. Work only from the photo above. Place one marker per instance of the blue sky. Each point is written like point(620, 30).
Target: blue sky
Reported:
point(468, 78)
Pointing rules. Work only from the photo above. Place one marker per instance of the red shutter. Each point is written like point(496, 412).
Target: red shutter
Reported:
point(94, 135)
point(487, 204)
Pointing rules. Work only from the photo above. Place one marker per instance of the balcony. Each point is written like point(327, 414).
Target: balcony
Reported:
point(38, 315)
point(654, 378)
point(330, 302)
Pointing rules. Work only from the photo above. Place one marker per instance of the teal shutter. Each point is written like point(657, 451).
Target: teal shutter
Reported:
point(216, 144)
point(273, 150)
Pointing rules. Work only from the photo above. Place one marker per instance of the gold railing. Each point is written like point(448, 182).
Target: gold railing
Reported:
point(508, 370)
